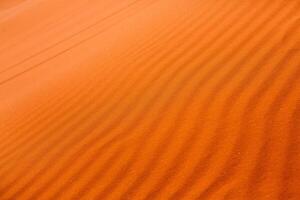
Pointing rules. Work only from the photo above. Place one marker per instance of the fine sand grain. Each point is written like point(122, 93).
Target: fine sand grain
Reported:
point(150, 99)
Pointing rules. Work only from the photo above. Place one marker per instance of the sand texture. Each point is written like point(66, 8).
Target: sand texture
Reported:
point(149, 99)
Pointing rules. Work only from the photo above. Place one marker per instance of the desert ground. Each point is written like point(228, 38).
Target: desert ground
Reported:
point(150, 99)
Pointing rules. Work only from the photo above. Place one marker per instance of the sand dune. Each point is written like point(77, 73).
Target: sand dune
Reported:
point(149, 99)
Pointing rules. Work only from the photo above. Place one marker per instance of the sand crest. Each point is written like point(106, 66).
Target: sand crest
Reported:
point(149, 99)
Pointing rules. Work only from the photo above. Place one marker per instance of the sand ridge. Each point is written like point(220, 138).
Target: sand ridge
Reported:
point(149, 99)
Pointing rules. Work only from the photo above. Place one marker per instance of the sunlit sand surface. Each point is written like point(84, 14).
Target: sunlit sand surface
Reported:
point(150, 99)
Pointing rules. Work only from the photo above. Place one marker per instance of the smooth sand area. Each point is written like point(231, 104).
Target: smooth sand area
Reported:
point(150, 99)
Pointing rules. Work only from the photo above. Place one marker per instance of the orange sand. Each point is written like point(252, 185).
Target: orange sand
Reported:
point(150, 99)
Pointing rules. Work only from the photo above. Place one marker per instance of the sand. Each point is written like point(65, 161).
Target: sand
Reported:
point(150, 99)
